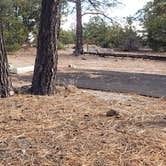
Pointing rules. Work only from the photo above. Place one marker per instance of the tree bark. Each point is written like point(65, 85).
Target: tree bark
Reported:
point(5, 82)
point(44, 77)
point(79, 31)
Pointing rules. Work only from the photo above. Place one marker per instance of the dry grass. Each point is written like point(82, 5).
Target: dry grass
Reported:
point(71, 129)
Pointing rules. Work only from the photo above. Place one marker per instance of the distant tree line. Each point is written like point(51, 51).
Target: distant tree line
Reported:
point(98, 32)
point(20, 17)
point(153, 17)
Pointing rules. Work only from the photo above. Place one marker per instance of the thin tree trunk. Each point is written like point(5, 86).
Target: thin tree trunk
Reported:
point(79, 31)
point(5, 82)
point(59, 18)
point(44, 78)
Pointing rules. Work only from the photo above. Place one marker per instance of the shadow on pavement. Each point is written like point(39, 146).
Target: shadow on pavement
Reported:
point(144, 84)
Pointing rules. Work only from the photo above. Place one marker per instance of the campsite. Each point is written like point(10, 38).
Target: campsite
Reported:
point(92, 95)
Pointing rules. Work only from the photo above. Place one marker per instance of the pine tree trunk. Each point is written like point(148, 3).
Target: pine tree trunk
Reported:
point(46, 61)
point(79, 31)
point(5, 83)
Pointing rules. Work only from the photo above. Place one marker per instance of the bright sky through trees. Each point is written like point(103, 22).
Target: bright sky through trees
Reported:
point(129, 8)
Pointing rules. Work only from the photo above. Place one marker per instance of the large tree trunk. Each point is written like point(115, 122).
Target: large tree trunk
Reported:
point(79, 31)
point(46, 61)
point(5, 83)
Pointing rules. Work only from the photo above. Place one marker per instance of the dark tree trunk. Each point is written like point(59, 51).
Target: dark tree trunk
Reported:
point(46, 61)
point(79, 31)
point(5, 83)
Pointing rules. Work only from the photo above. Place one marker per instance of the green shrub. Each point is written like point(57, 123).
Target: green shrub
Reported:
point(13, 47)
point(61, 46)
point(154, 21)
point(100, 33)
point(66, 37)
point(14, 35)
point(131, 40)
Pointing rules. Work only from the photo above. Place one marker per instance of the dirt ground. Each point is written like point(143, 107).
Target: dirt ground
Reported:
point(71, 128)
point(26, 57)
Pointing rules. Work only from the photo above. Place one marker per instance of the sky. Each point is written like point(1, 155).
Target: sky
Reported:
point(129, 8)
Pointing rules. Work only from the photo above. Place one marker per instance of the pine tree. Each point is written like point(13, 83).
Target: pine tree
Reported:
point(5, 83)
point(46, 61)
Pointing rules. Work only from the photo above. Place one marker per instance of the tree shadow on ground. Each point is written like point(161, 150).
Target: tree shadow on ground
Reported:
point(150, 85)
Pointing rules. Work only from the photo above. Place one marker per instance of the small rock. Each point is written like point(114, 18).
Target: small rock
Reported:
point(103, 142)
point(83, 58)
point(23, 143)
point(86, 117)
point(51, 133)
point(3, 144)
point(11, 68)
point(11, 93)
point(72, 66)
point(112, 113)
point(70, 88)
point(164, 117)
point(4, 154)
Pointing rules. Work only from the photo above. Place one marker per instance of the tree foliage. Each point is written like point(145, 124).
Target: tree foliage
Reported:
point(154, 20)
point(66, 37)
point(98, 31)
point(89, 7)
point(19, 17)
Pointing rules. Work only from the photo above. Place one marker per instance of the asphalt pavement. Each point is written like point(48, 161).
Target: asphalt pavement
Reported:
point(123, 82)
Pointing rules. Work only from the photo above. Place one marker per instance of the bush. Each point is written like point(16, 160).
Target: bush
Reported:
point(13, 47)
point(98, 32)
point(15, 35)
point(66, 37)
point(116, 37)
point(131, 40)
point(61, 46)
point(18, 19)
point(154, 21)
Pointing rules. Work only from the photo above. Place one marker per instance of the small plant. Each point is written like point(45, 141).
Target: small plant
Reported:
point(61, 46)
